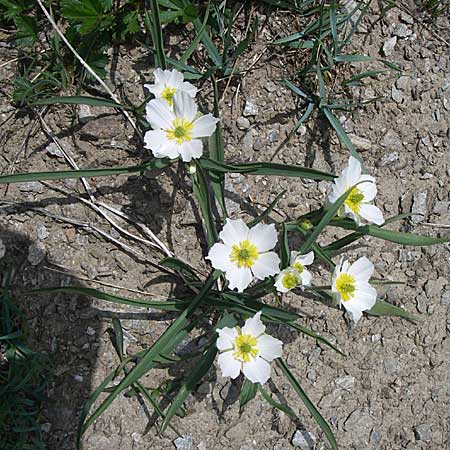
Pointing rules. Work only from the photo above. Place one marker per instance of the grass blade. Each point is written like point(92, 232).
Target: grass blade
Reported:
point(85, 173)
point(263, 168)
point(267, 211)
point(342, 135)
point(201, 191)
point(284, 408)
point(217, 153)
point(382, 308)
point(80, 100)
point(284, 247)
point(248, 392)
point(154, 25)
point(308, 403)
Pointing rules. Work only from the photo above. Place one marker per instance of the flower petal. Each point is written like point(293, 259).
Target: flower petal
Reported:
point(155, 89)
point(353, 171)
point(184, 106)
point(233, 232)
point(254, 325)
point(280, 287)
point(362, 269)
point(174, 78)
point(229, 366)
point(219, 255)
point(306, 278)
point(204, 126)
point(365, 298)
point(238, 278)
point(191, 150)
point(368, 188)
point(266, 265)
point(263, 236)
point(158, 114)
point(189, 88)
point(161, 147)
point(269, 347)
point(257, 370)
point(304, 260)
point(372, 214)
point(226, 338)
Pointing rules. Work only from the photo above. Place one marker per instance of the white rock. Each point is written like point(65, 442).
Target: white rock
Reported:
point(346, 382)
point(389, 45)
point(303, 440)
point(183, 442)
point(250, 109)
point(360, 143)
point(419, 207)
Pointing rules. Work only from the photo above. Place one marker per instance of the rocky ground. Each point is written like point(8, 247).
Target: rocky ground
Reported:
point(391, 392)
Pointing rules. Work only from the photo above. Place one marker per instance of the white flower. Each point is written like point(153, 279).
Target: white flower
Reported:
point(359, 202)
point(167, 83)
point(295, 274)
point(176, 132)
point(351, 286)
point(245, 253)
point(249, 350)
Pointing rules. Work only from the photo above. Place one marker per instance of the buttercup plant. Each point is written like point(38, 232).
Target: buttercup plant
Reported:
point(246, 259)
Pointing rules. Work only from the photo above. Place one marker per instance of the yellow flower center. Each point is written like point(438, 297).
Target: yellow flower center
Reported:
point(168, 93)
point(181, 131)
point(346, 286)
point(289, 281)
point(299, 267)
point(354, 199)
point(245, 254)
point(245, 347)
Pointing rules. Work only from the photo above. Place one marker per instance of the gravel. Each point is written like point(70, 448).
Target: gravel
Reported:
point(250, 109)
point(303, 440)
point(184, 442)
point(419, 207)
point(389, 46)
point(36, 254)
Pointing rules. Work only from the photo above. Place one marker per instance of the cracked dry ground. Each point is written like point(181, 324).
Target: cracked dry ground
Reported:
point(390, 392)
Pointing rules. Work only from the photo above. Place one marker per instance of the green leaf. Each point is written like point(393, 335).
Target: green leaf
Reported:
point(180, 267)
point(81, 100)
point(64, 174)
point(267, 211)
point(153, 23)
point(118, 335)
point(284, 408)
point(208, 43)
point(248, 392)
point(263, 168)
point(200, 188)
point(89, 14)
point(194, 44)
point(308, 403)
point(199, 371)
point(353, 58)
point(342, 135)
point(284, 247)
point(27, 30)
point(217, 152)
point(382, 308)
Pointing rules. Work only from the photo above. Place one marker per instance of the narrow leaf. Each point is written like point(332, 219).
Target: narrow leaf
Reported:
point(308, 403)
point(382, 308)
point(248, 392)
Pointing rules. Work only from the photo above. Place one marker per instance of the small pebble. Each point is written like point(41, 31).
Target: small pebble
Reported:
point(303, 440)
point(243, 123)
point(389, 45)
point(36, 254)
point(422, 432)
point(250, 109)
point(183, 442)
point(2, 249)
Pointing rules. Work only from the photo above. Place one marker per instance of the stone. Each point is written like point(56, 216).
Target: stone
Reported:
point(391, 140)
point(433, 288)
point(2, 249)
point(404, 17)
point(258, 144)
point(85, 113)
point(303, 440)
point(388, 159)
point(360, 143)
point(250, 108)
point(402, 31)
point(419, 207)
point(230, 392)
point(441, 207)
point(389, 46)
point(243, 123)
point(41, 231)
point(423, 432)
point(36, 254)
point(391, 365)
point(346, 382)
point(32, 186)
point(301, 130)
point(396, 94)
point(403, 83)
point(359, 424)
point(274, 135)
point(184, 442)
point(445, 299)
point(247, 141)
point(54, 150)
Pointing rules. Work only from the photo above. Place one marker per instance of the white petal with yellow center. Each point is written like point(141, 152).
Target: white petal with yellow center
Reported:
point(245, 254)
point(351, 286)
point(249, 350)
